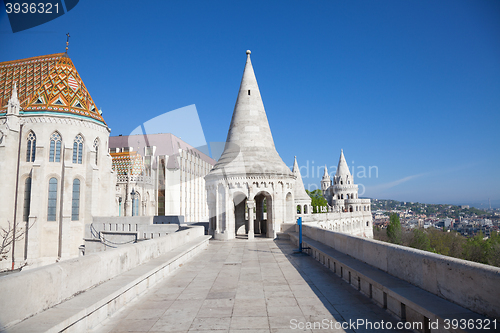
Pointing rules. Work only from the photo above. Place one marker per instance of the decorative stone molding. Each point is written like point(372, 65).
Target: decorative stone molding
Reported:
point(26, 119)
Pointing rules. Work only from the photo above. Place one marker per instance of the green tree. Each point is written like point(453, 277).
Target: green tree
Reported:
point(494, 251)
point(317, 199)
point(420, 240)
point(447, 243)
point(394, 229)
point(476, 249)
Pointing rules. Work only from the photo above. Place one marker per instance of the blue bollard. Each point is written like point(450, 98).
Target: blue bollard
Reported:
point(299, 222)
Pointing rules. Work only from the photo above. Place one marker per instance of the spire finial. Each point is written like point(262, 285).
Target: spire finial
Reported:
point(325, 173)
point(249, 52)
point(67, 42)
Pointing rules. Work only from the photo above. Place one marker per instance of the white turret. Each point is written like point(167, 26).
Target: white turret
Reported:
point(325, 181)
point(343, 175)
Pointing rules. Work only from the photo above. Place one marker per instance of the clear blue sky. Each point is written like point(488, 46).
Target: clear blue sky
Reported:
point(409, 87)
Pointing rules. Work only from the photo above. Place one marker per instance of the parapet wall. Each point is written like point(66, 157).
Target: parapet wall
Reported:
point(472, 285)
point(30, 292)
point(355, 223)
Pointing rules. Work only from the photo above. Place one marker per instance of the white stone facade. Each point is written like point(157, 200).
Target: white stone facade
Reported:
point(28, 175)
point(171, 177)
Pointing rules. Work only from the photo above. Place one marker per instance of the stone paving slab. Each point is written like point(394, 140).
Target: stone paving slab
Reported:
point(242, 286)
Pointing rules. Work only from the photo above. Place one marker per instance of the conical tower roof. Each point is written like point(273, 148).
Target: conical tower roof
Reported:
point(343, 169)
point(249, 145)
point(300, 191)
point(326, 176)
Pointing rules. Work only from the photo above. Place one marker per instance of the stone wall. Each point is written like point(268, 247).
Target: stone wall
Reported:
point(469, 284)
point(108, 233)
point(30, 292)
point(354, 223)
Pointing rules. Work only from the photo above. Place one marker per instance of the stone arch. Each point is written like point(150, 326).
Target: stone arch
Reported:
point(30, 146)
point(240, 213)
point(264, 212)
point(289, 208)
point(55, 147)
point(78, 148)
point(136, 203)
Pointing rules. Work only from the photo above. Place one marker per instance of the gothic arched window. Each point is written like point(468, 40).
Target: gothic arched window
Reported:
point(55, 147)
point(96, 148)
point(31, 147)
point(27, 199)
point(75, 203)
point(52, 202)
point(78, 149)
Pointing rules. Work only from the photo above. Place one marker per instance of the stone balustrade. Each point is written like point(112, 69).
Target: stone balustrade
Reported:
point(471, 285)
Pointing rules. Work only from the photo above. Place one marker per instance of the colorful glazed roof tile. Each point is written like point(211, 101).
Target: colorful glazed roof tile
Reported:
point(48, 83)
point(130, 163)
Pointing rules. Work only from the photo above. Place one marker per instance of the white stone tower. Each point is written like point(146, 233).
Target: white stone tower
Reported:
point(325, 181)
point(342, 195)
point(250, 189)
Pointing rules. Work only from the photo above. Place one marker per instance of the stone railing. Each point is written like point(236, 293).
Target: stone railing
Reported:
point(468, 284)
point(33, 291)
point(134, 178)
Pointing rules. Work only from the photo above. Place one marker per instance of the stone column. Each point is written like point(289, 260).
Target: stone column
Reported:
point(251, 205)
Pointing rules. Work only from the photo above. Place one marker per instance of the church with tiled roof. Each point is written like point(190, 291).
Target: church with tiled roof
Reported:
point(48, 83)
point(54, 161)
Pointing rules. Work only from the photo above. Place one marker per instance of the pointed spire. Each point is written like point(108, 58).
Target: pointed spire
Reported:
point(249, 135)
point(14, 93)
point(300, 191)
point(325, 174)
point(13, 106)
point(343, 169)
point(67, 42)
point(295, 165)
point(249, 124)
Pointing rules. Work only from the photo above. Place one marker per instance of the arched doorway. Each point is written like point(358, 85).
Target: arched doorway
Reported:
point(240, 214)
point(263, 214)
point(289, 208)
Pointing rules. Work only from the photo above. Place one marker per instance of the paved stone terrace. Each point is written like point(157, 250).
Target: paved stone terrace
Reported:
point(245, 286)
